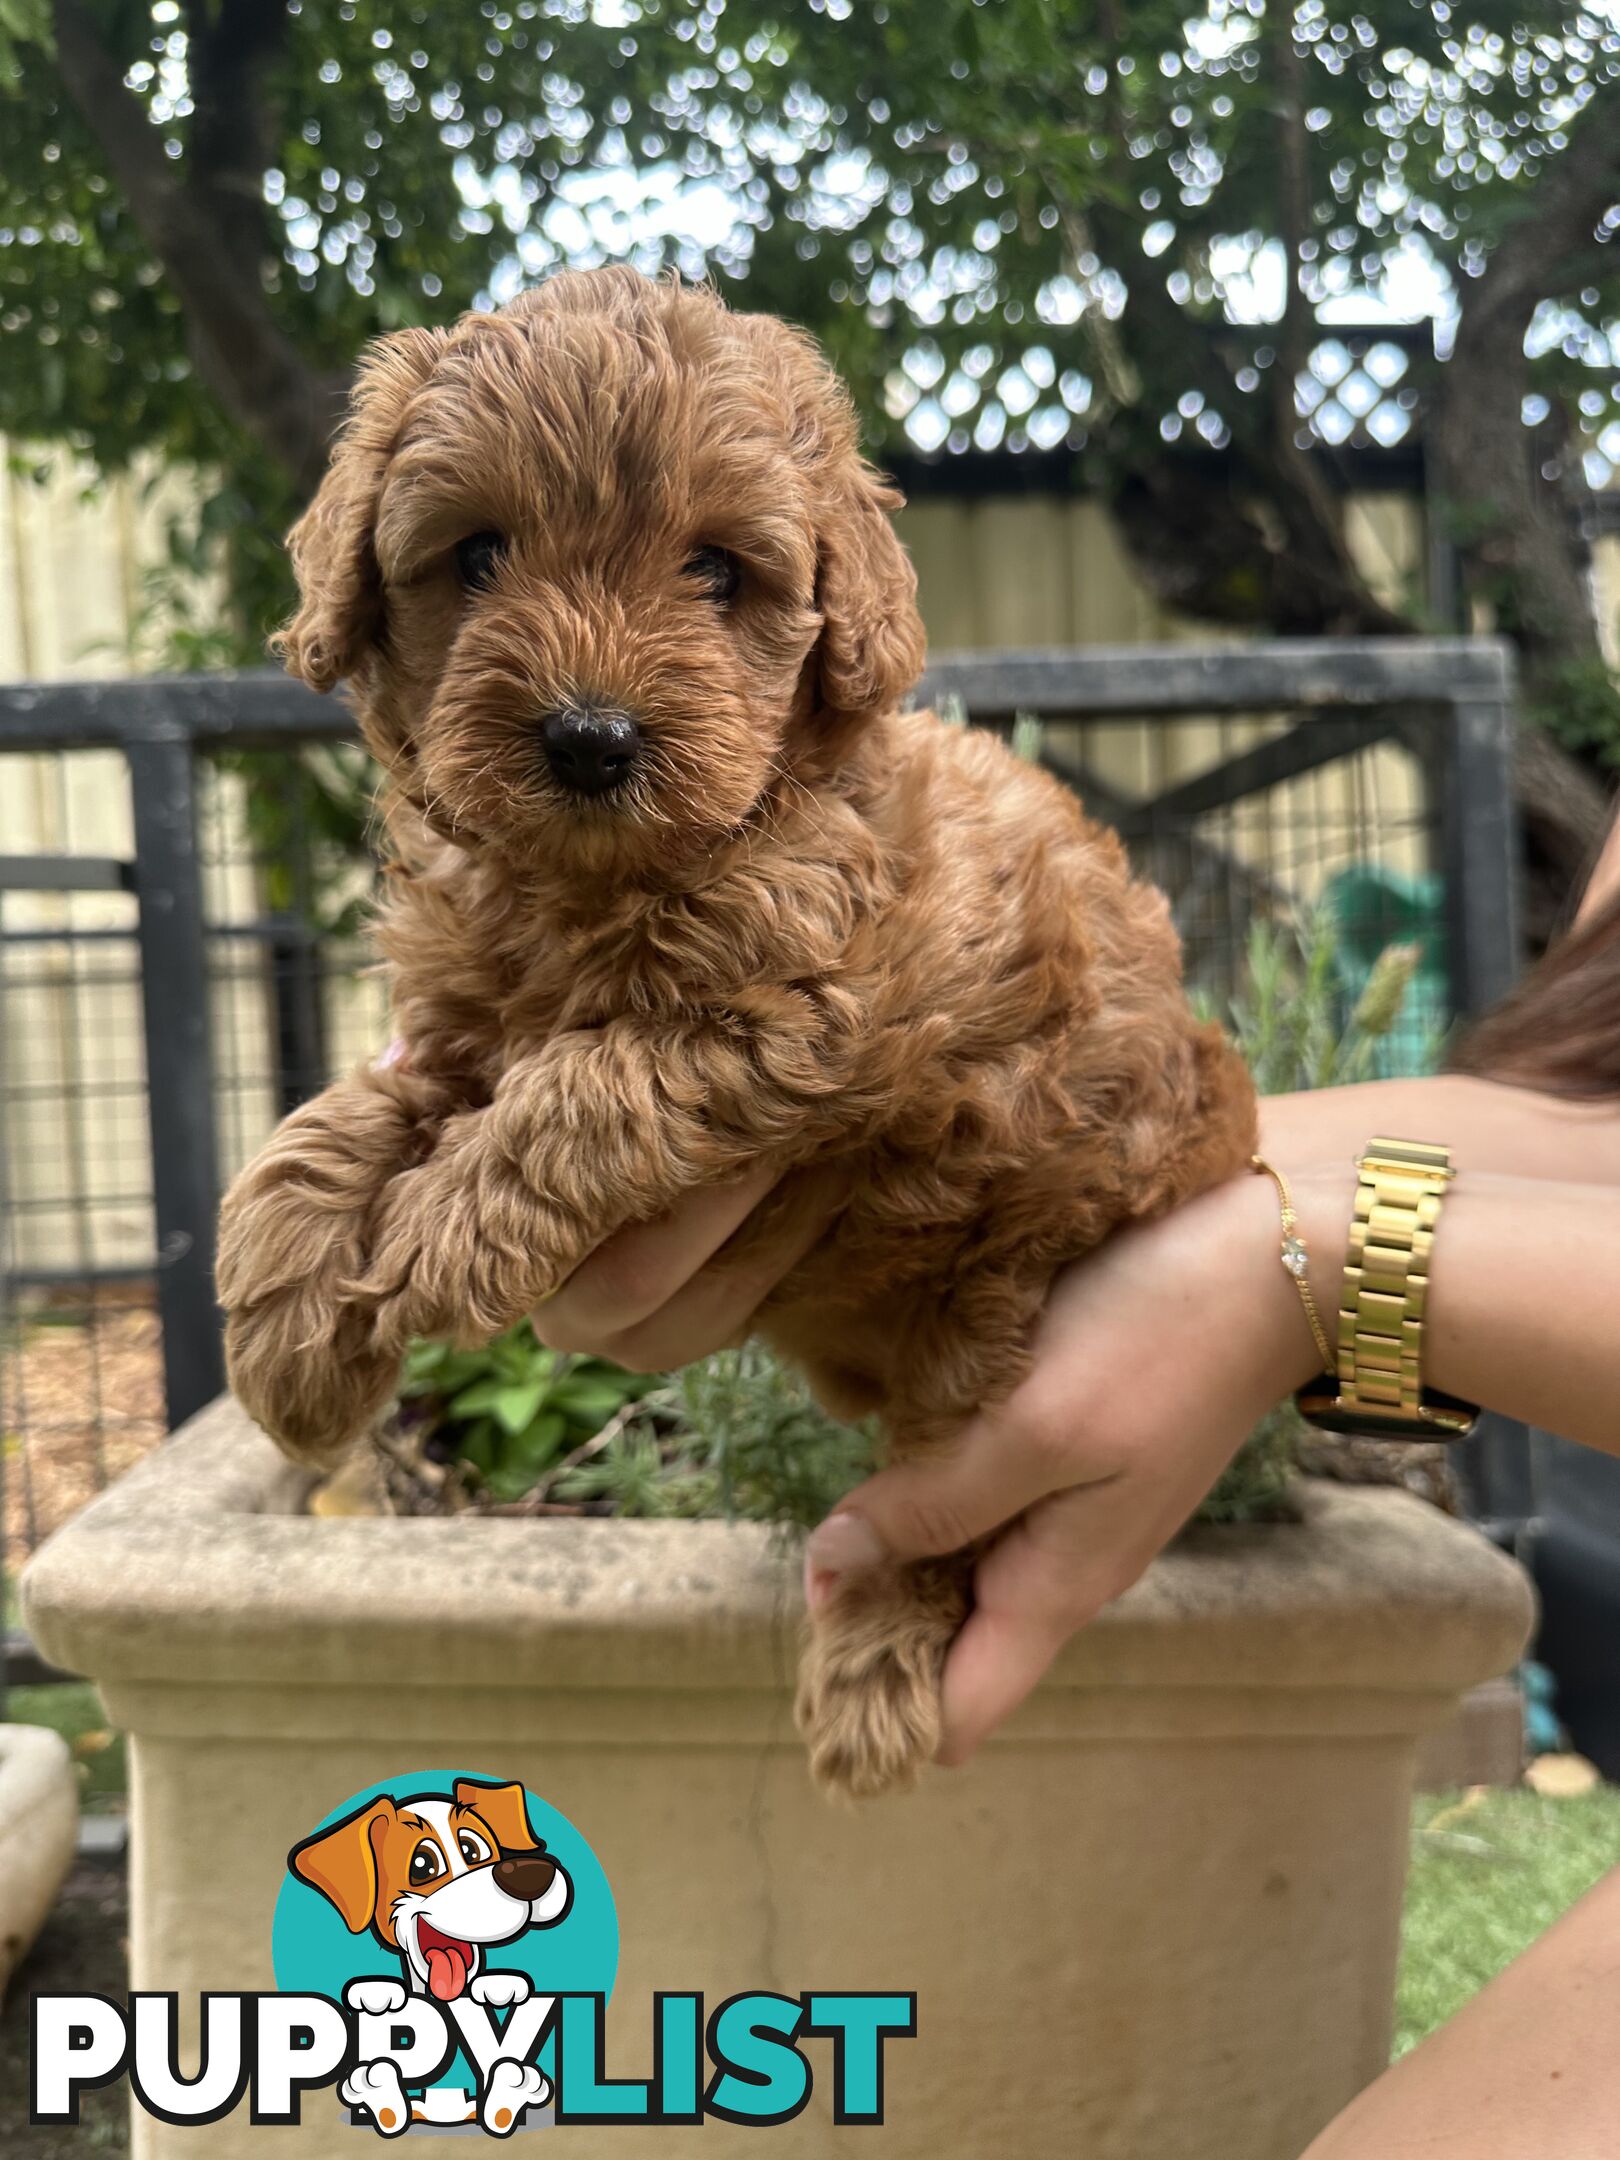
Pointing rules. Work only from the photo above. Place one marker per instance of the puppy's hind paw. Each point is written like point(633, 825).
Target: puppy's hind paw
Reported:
point(512, 2087)
point(869, 1714)
point(375, 2089)
point(869, 1682)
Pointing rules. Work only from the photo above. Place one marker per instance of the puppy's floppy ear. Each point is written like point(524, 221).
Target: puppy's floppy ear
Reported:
point(341, 1863)
point(871, 649)
point(339, 584)
point(504, 1809)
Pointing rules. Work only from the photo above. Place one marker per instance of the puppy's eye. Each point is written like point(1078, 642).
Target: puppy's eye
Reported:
point(478, 557)
point(717, 570)
point(473, 1849)
point(425, 1863)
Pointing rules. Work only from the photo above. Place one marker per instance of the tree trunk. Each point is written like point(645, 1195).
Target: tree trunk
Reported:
point(1520, 553)
point(203, 218)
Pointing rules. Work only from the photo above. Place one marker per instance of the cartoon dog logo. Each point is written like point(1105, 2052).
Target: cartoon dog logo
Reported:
point(438, 1879)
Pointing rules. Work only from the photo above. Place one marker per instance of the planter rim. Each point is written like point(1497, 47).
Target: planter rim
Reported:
point(198, 1569)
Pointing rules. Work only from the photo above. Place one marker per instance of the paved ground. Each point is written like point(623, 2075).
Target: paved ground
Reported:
point(82, 1948)
point(81, 1399)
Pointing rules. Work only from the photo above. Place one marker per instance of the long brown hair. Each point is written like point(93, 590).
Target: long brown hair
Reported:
point(1559, 1030)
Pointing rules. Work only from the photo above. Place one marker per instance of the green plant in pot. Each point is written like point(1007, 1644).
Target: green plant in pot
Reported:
point(521, 1429)
point(509, 1416)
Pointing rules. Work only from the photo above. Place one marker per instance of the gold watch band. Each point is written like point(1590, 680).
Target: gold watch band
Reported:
point(1383, 1303)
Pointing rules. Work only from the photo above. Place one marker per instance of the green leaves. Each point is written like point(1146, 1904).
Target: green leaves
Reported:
point(736, 1434)
point(1579, 705)
point(23, 22)
point(513, 1404)
point(977, 179)
point(515, 1409)
point(773, 1454)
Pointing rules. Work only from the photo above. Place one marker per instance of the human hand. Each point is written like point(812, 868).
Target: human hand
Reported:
point(1156, 1357)
point(654, 1295)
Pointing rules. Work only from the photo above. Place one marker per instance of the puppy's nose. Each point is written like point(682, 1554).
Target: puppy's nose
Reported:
point(525, 1875)
point(590, 748)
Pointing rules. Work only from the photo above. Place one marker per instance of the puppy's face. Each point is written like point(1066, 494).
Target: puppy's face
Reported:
point(438, 1878)
point(603, 567)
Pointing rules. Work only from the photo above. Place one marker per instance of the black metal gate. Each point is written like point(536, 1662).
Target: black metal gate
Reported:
point(1234, 775)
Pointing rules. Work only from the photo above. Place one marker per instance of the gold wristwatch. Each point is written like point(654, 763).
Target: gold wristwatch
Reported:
point(1380, 1387)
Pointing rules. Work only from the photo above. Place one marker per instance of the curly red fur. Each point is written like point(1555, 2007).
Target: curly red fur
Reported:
point(877, 951)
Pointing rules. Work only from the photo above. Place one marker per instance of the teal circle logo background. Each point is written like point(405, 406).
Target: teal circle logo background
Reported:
point(314, 1953)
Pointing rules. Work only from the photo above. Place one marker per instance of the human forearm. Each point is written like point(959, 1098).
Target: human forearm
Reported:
point(1506, 1131)
point(1524, 1296)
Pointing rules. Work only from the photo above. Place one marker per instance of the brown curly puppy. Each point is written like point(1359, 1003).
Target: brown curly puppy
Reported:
point(679, 887)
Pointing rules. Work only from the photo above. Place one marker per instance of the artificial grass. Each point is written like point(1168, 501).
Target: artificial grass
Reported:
point(74, 1709)
point(1490, 1872)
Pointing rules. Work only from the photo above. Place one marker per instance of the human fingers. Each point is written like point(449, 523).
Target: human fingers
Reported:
point(637, 1270)
point(1043, 1580)
point(1003, 1461)
point(714, 1308)
point(1053, 1570)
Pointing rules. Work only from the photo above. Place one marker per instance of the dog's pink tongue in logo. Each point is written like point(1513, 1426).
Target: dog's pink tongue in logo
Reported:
point(449, 1962)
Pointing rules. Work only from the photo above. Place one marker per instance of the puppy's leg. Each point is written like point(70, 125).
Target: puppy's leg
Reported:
point(589, 1132)
point(471, 1240)
point(293, 1236)
point(869, 1679)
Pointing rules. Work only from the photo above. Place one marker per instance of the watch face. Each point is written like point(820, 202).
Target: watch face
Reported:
point(1442, 1417)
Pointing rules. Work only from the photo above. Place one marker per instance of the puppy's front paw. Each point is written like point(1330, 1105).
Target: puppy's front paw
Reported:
point(868, 1702)
point(499, 1990)
point(303, 1365)
point(377, 1998)
point(298, 1352)
point(418, 1277)
point(459, 1252)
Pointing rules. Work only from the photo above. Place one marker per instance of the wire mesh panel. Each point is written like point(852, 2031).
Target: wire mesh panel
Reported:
point(1348, 850)
point(287, 879)
point(294, 997)
point(183, 960)
point(80, 1395)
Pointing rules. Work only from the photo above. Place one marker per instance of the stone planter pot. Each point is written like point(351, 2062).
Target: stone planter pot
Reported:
point(39, 1822)
point(1158, 1916)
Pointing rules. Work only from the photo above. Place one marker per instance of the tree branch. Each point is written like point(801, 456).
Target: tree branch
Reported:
point(1203, 541)
point(1520, 549)
point(230, 50)
point(1553, 243)
point(237, 347)
point(1294, 201)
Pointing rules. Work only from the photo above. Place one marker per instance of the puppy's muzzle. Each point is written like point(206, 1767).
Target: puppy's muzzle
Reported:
point(590, 749)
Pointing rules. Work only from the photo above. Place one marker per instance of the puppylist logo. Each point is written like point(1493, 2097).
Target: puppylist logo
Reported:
point(444, 1947)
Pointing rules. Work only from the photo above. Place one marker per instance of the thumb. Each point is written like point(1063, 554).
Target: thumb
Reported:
point(930, 1504)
